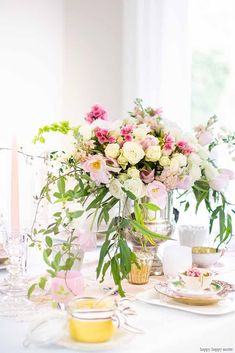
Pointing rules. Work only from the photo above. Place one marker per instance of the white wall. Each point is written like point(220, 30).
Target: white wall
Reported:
point(31, 87)
point(92, 56)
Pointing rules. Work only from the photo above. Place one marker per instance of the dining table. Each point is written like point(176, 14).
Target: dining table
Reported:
point(164, 329)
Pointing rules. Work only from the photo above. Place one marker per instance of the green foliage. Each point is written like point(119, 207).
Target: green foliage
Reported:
point(62, 127)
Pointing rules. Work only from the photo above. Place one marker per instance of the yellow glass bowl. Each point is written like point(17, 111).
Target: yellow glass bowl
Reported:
point(90, 322)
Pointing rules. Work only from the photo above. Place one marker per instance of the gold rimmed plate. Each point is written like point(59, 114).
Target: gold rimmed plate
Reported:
point(164, 289)
point(179, 288)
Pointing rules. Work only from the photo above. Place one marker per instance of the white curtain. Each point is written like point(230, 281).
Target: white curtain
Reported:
point(156, 56)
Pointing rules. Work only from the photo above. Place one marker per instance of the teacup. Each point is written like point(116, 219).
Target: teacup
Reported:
point(205, 257)
point(203, 281)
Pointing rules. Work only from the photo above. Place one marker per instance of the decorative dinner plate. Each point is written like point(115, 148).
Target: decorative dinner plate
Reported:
point(178, 288)
point(153, 297)
point(120, 337)
point(164, 288)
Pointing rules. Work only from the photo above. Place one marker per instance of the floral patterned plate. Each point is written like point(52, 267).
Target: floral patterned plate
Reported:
point(178, 288)
point(164, 289)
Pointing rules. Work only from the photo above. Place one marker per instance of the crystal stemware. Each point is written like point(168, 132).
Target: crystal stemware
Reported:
point(13, 300)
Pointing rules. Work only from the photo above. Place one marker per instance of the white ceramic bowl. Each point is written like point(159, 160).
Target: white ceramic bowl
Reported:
point(196, 283)
point(205, 257)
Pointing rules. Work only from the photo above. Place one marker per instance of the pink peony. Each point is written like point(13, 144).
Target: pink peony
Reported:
point(96, 166)
point(147, 176)
point(97, 112)
point(158, 193)
point(185, 183)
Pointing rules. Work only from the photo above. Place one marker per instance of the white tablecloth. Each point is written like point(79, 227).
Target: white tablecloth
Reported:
point(166, 330)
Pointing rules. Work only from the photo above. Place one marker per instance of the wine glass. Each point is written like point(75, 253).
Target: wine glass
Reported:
point(13, 300)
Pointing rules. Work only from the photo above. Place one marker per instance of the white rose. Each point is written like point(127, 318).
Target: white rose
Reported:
point(112, 150)
point(174, 165)
point(86, 132)
point(115, 189)
point(153, 153)
point(203, 153)
point(164, 161)
point(133, 152)
point(141, 131)
point(122, 177)
point(122, 161)
point(210, 171)
point(135, 186)
point(133, 173)
point(195, 172)
point(181, 158)
point(194, 158)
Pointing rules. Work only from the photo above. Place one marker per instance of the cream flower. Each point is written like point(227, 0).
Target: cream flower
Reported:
point(174, 165)
point(194, 158)
point(122, 177)
point(181, 158)
point(86, 132)
point(135, 186)
point(112, 150)
point(141, 131)
point(133, 152)
point(133, 173)
point(210, 171)
point(195, 172)
point(153, 153)
point(115, 189)
point(122, 161)
point(164, 161)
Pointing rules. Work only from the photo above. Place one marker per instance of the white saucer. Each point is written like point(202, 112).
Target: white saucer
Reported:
point(121, 337)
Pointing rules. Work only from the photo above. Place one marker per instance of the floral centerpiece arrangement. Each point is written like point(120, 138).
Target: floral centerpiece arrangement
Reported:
point(140, 158)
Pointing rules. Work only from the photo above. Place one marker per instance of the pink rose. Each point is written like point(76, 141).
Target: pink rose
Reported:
point(147, 176)
point(97, 112)
point(157, 192)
